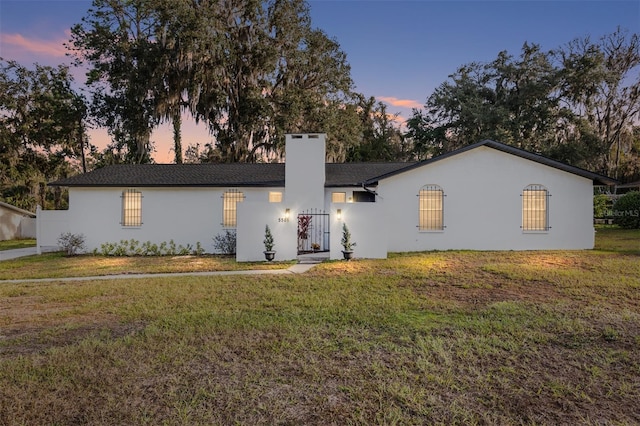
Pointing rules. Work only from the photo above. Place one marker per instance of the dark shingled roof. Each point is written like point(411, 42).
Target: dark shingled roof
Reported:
point(272, 174)
point(237, 174)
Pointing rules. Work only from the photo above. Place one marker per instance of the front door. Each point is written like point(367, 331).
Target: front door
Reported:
point(313, 231)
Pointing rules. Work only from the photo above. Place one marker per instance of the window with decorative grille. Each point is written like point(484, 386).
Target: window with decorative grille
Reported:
point(229, 207)
point(535, 208)
point(131, 208)
point(431, 208)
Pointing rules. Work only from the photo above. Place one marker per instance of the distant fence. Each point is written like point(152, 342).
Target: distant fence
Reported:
point(28, 227)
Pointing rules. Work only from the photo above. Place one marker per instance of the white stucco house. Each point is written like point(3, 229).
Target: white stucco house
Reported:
point(16, 222)
point(486, 196)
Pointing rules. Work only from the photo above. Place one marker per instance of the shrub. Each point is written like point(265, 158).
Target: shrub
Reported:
point(601, 206)
point(268, 239)
point(626, 211)
point(347, 245)
point(72, 244)
point(225, 243)
point(199, 250)
point(134, 248)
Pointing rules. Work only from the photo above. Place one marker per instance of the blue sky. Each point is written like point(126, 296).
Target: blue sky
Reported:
point(399, 50)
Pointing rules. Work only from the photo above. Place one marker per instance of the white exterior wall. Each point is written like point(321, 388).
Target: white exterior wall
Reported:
point(483, 205)
point(366, 225)
point(252, 219)
point(184, 215)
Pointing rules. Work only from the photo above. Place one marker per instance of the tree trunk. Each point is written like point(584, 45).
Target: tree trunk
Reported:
point(177, 136)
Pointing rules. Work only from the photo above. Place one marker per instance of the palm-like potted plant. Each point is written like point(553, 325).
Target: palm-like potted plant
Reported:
point(347, 244)
point(269, 253)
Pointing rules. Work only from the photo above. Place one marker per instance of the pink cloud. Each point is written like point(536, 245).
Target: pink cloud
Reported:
point(402, 103)
point(22, 44)
point(398, 119)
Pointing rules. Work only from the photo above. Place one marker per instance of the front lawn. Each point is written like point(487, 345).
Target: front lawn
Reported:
point(419, 338)
point(57, 265)
point(612, 238)
point(17, 244)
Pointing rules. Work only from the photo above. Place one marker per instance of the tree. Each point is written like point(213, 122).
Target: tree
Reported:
point(601, 84)
point(42, 132)
point(510, 99)
point(577, 104)
point(251, 70)
point(117, 39)
point(382, 139)
point(270, 73)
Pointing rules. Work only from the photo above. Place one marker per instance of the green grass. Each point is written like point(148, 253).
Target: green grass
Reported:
point(419, 338)
point(57, 265)
point(17, 244)
point(612, 238)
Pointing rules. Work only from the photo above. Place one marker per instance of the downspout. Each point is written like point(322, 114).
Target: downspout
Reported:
point(370, 191)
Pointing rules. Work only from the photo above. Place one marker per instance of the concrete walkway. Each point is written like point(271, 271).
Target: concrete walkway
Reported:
point(23, 252)
point(16, 253)
point(298, 268)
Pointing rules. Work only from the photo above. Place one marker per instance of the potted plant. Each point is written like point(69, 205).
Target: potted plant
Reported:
point(269, 253)
point(304, 226)
point(347, 245)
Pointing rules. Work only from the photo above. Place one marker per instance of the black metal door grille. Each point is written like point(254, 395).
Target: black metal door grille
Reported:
point(313, 231)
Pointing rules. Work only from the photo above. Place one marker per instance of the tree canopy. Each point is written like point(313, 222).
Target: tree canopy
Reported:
point(250, 70)
point(579, 104)
point(42, 133)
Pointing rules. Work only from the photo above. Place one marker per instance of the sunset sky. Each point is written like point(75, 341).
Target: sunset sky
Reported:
point(399, 51)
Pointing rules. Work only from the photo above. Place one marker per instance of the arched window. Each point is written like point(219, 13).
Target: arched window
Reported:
point(431, 208)
point(131, 208)
point(535, 208)
point(230, 199)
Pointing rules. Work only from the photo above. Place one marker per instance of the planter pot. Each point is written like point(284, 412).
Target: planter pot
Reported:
point(269, 255)
point(348, 255)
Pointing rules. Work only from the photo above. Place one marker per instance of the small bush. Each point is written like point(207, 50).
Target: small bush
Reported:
point(626, 211)
point(268, 239)
point(225, 243)
point(601, 206)
point(347, 245)
point(72, 244)
point(199, 250)
point(134, 248)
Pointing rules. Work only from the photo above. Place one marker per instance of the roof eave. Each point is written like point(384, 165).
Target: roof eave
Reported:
point(185, 185)
point(594, 177)
point(17, 209)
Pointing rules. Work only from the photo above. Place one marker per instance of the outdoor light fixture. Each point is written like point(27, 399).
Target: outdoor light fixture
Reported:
point(287, 213)
point(339, 214)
